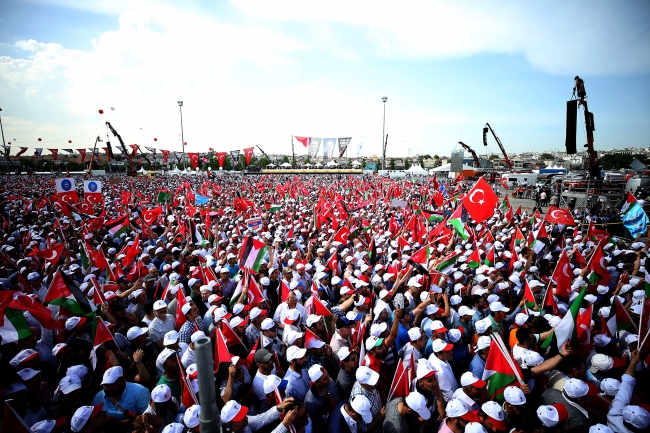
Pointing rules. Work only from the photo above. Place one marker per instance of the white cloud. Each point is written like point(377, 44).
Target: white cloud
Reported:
point(556, 37)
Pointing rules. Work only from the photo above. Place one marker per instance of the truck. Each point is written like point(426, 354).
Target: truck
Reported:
point(517, 179)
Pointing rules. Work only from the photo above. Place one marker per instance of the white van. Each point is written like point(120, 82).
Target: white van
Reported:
point(515, 179)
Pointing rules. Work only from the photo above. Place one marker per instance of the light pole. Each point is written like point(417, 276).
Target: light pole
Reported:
point(180, 107)
point(383, 135)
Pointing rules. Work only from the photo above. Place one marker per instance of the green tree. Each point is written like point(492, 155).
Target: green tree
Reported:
point(284, 159)
point(618, 161)
point(545, 156)
point(363, 162)
point(407, 163)
point(264, 161)
point(426, 156)
point(307, 160)
point(391, 164)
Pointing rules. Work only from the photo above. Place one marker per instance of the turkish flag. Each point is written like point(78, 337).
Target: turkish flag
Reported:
point(438, 199)
point(52, 254)
point(600, 275)
point(556, 215)
point(194, 159)
point(149, 216)
point(563, 275)
point(221, 157)
point(480, 201)
point(55, 153)
point(342, 235)
point(504, 183)
point(82, 152)
point(165, 154)
point(248, 152)
point(304, 140)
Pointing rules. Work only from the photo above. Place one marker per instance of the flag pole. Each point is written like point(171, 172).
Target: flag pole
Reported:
point(506, 354)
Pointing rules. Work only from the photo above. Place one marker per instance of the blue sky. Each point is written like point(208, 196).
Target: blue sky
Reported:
point(256, 72)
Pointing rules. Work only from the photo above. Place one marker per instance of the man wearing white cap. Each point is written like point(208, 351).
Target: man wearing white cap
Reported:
point(403, 415)
point(91, 419)
point(193, 322)
point(366, 385)
point(120, 398)
point(321, 394)
point(576, 396)
point(471, 391)
point(235, 416)
point(283, 310)
point(623, 417)
point(162, 409)
point(161, 324)
point(439, 360)
point(237, 383)
point(297, 374)
point(346, 414)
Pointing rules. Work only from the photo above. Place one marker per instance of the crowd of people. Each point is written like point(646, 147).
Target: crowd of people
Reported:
point(328, 310)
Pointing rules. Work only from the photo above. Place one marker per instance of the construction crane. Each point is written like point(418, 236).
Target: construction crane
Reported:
point(470, 150)
point(122, 146)
point(503, 150)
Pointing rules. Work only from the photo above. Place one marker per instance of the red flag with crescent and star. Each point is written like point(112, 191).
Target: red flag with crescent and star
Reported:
point(194, 159)
point(480, 201)
point(149, 216)
point(248, 152)
point(559, 216)
point(165, 154)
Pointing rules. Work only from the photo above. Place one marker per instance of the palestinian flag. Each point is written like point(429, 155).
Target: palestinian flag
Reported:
point(13, 326)
point(549, 305)
point(519, 237)
point(489, 258)
point(540, 241)
point(448, 262)
point(458, 220)
point(433, 216)
point(163, 197)
point(629, 202)
point(197, 237)
point(599, 274)
point(597, 235)
point(474, 259)
point(372, 252)
point(273, 207)
point(568, 328)
point(498, 371)
point(422, 256)
point(117, 226)
point(646, 286)
point(322, 310)
point(252, 253)
point(64, 293)
point(529, 298)
point(621, 318)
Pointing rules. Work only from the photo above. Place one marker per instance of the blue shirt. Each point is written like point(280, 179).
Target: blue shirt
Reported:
point(477, 366)
point(134, 398)
point(402, 337)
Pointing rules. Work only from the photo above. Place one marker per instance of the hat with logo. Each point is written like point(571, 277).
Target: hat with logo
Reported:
point(514, 396)
point(192, 415)
point(315, 372)
point(170, 337)
point(441, 345)
point(161, 393)
point(576, 388)
point(457, 409)
point(418, 403)
point(135, 331)
point(111, 375)
point(551, 415)
point(496, 414)
point(83, 415)
point(610, 386)
point(636, 416)
point(48, 425)
point(362, 405)
point(69, 383)
point(468, 378)
point(367, 376)
point(294, 352)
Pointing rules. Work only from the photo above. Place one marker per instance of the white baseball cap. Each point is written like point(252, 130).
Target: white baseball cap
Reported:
point(576, 388)
point(367, 376)
point(272, 381)
point(610, 386)
point(600, 428)
point(111, 375)
point(483, 342)
point(600, 362)
point(441, 345)
point(457, 409)
point(170, 337)
point(414, 333)
point(186, 308)
point(46, 426)
point(361, 405)
point(192, 415)
point(135, 331)
point(496, 414)
point(418, 403)
point(196, 335)
point(498, 306)
point(28, 373)
point(315, 372)
point(82, 415)
point(424, 369)
point(159, 304)
point(69, 383)
point(161, 393)
point(482, 325)
point(294, 352)
point(313, 318)
point(636, 416)
point(514, 396)
point(378, 328)
point(468, 378)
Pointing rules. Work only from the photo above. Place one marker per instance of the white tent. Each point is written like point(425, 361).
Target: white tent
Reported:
point(308, 165)
point(356, 163)
point(142, 171)
point(271, 165)
point(175, 172)
point(417, 170)
point(332, 164)
point(318, 164)
point(286, 164)
point(447, 167)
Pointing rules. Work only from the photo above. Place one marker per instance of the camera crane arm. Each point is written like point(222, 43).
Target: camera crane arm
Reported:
point(470, 150)
point(503, 150)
